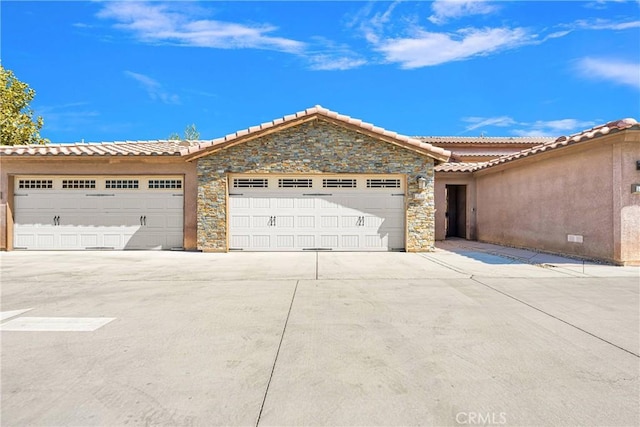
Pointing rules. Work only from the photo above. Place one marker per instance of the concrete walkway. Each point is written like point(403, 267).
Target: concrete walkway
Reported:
point(471, 334)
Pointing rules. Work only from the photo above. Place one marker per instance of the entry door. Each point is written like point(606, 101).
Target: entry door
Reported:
point(456, 214)
point(98, 213)
point(316, 213)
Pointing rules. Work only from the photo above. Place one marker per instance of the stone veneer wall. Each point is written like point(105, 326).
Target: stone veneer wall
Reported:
point(313, 147)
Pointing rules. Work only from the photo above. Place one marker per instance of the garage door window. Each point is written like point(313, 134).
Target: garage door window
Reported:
point(250, 183)
point(35, 183)
point(338, 183)
point(78, 183)
point(121, 183)
point(165, 183)
point(295, 183)
point(383, 183)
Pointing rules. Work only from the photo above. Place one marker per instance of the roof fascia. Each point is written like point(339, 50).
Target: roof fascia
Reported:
point(576, 147)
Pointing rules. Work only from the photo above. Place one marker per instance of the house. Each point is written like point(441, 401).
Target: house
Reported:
point(318, 180)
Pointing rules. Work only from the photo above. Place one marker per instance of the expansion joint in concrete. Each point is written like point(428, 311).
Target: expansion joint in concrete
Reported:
point(554, 317)
point(275, 359)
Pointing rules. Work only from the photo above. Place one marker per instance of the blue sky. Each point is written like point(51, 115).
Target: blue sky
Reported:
point(106, 71)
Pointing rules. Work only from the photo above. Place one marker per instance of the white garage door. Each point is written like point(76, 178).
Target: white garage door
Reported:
point(290, 213)
point(98, 212)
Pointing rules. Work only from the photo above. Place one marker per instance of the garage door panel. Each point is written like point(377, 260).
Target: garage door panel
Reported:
point(329, 240)
point(285, 241)
point(350, 241)
point(350, 221)
point(306, 241)
point(305, 222)
point(35, 219)
point(260, 203)
point(261, 241)
point(240, 241)
point(285, 203)
point(25, 240)
point(284, 221)
point(374, 241)
point(240, 221)
point(239, 202)
point(115, 240)
point(46, 240)
point(328, 204)
point(304, 203)
point(91, 240)
point(260, 221)
point(329, 221)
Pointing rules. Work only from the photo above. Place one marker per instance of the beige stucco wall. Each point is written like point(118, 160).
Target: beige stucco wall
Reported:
point(313, 147)
point(626, 204)
point(454, 178)
point(109, 165)
point(582, 190)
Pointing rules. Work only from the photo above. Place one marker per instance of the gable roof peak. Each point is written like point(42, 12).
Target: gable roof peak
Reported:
point(204, 148)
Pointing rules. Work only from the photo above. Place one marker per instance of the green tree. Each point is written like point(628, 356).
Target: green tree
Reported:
point(17, 124)
point(190, 133)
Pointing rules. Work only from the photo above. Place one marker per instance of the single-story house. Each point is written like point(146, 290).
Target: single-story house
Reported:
point(319, 180)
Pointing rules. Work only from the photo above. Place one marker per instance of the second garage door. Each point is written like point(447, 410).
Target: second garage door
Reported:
point(293, 213)
point(98, 212)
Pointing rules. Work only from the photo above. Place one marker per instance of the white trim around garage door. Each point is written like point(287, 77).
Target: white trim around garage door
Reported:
point(98, 212)
point(316, 212)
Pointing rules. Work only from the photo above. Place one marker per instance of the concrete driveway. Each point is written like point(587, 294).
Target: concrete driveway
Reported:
point(472, 334)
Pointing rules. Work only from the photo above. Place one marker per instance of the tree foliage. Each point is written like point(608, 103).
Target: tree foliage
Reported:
point(17, 124)
point(190, 133)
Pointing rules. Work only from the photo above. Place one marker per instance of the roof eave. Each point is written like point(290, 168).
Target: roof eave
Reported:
point(422, 148)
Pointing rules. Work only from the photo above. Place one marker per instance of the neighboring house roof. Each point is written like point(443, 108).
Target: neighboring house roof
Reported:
point(458, 166)
point(484, 140)
point(194, 149)
point(120, 148)
point(317, 112)
point(563, 141)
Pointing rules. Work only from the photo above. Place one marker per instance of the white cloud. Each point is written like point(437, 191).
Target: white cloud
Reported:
point(153, 88)
point(617, 71)
point(159, 23)
point(330, 62)
point(605, 24)
point(427, 49)
point(444, 10)
point(480, 122)
point(328, 55)
point(602, 4)
point(554, 128)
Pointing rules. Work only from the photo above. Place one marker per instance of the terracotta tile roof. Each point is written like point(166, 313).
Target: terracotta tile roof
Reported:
point(484, 140)
point(208, 147)
point(458, 166)
point(119, 148)
point(483, 153)
point(563, 141)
